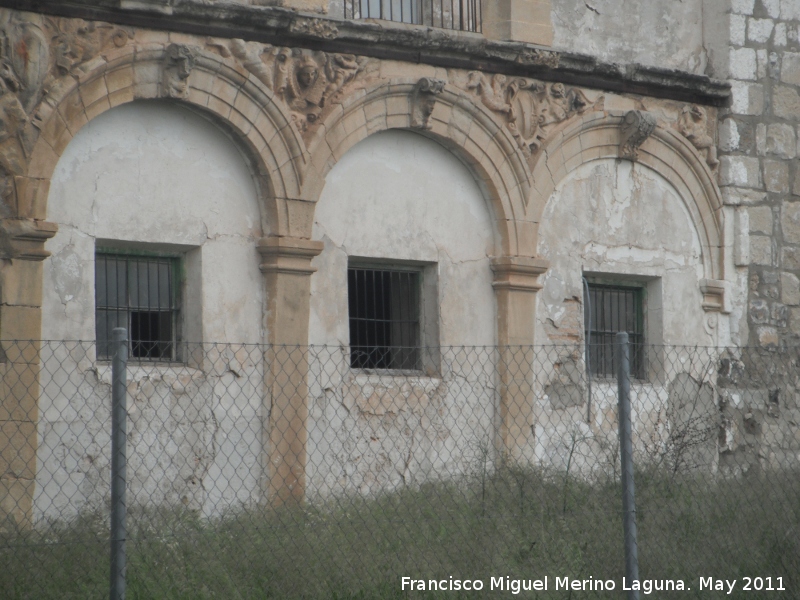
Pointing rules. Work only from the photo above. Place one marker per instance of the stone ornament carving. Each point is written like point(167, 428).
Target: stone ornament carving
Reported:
point(305, 80)
point(423, 99)
point(636, 127)
point(538, 57)
point(693, 125)
point(318, 28)
point(529, 108)
point(77, 42)
point(35, 53)
point(178, 64)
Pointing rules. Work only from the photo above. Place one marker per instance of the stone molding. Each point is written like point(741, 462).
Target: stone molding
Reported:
point(24, 238)
point(466, 128)
point(394, 41)
point(596, 136)
point(210, 82)
point(518, 273)
point(288, 255)
point(713, 291)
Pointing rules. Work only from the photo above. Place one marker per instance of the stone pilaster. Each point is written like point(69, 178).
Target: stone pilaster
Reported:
point(286, 264)
point(21, 254)
point(515, 284)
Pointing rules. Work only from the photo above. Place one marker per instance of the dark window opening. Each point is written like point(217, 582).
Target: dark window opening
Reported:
point(384, 309)
point(612, 309)
point(140, 294)
point(461, 15)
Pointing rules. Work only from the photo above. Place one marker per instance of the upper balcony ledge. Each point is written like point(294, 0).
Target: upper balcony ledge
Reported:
point(395, 41)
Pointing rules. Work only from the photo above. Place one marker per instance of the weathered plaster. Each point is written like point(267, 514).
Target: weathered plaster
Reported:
point(153, 173)
point(371, 208)
point(663, 34)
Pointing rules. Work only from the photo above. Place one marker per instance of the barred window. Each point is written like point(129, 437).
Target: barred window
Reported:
point(611, 309)
point(139, 293)
point(461, 15)
point(384, 310)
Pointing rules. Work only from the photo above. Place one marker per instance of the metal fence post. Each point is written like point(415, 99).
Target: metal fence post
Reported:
point(626, 458)
point(119, 413)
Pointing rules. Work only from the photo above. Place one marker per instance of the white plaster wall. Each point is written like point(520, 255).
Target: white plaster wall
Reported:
point(619, 218)
point(398, 195)
point(157, 173)
point(154, 172)
point(658, 33)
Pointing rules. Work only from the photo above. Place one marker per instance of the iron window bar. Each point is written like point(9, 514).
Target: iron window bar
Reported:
point(384, 313)
point(138, 293)
point(610, 310)
point(459, 15)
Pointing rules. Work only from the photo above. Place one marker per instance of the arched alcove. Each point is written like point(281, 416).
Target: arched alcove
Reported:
point(398, 196)
point(154, 177)
point(400, 202)
point(152, 183)
point(620, 222)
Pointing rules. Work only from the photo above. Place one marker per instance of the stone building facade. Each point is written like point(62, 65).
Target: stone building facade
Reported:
point(269, 146)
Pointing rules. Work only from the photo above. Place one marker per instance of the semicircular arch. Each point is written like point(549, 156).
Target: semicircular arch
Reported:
point(240, 105)
point(466, 129)
point(596, 136)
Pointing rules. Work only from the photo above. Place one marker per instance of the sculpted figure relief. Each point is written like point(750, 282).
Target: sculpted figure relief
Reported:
point(636, 127)
point(304, 80)
point(423, 101)
point(178, 65)
point(528, 107)
point(693, 124)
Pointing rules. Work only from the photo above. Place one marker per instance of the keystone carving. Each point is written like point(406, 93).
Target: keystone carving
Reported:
point(305, 81)
point(635, 129)
point(693, 125)
point(178, 64)
point(423, 99)
point(529, 108)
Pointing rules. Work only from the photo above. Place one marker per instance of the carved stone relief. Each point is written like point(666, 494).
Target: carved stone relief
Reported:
point(178, 64)
point(693, 124)
point(423, 100)
point(636, 127)
point(314, 27)
point(305, 80)
point(76, 42)
point(35, 52)
point(529, 108)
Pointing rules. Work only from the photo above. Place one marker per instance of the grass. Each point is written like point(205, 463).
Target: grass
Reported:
point(520, 523)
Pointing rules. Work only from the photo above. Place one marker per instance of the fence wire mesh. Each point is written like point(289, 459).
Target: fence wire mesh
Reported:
point(283, 472)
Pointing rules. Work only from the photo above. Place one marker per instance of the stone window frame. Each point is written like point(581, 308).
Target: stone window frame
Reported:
point(650, 290)
point(427, 299)
point(134, 251)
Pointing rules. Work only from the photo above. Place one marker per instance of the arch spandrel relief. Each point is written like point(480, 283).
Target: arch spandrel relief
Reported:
point(70, 56)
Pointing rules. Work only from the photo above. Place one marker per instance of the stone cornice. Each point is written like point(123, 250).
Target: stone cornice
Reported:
point(24, 238)
point(393, 41)
point(288, 255)
point(518, 273)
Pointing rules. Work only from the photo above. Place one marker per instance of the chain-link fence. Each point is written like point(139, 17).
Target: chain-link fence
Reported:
point(277, 472)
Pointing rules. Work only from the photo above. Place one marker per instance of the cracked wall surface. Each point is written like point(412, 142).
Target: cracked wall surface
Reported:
point(432, 426)
point(155, 174)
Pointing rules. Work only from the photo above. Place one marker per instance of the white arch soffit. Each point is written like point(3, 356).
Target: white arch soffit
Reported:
point(215, 85)
point(458, 123)
point(597, 135)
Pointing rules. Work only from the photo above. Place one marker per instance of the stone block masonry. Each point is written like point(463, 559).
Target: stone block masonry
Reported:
point(758, 147)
